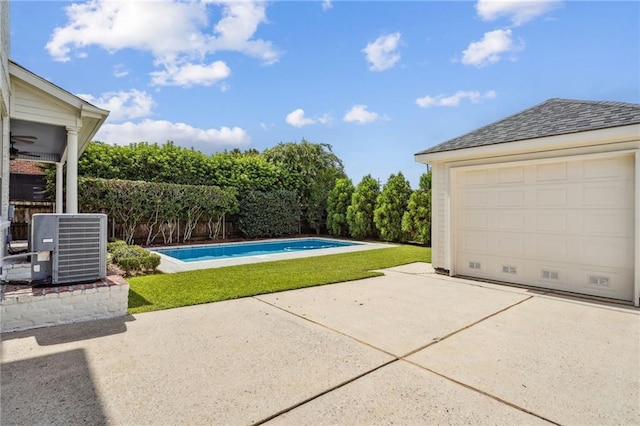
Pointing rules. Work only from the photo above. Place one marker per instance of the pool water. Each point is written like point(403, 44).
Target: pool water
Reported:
point(245, 249)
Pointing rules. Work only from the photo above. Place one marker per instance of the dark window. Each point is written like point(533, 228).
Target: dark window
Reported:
point(27, 187)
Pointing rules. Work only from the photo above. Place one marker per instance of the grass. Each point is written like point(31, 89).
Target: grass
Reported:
point(165, 291)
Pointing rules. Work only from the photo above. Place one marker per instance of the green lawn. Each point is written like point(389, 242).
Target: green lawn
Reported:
point(164, 291)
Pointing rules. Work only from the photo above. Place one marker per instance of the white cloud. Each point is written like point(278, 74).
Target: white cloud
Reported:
point(490, 49)
point(382, 53)
point(159, 27)
point(176, 33)
point(120, 71)
point(359, 114)
point(326, 5)
point(123, 105)
point(236, 29)
point(519, 11)
point(182, 134)
point(296, 118)
point(454, 100)
point(188, 74)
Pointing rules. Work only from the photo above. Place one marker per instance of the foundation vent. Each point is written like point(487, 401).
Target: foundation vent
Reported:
point(506, 269)
point(599, 281)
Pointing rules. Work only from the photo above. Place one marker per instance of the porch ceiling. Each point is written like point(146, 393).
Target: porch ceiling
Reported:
point(48, 146)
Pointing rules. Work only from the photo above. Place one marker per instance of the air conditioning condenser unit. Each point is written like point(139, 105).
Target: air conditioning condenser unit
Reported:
point(68, 248)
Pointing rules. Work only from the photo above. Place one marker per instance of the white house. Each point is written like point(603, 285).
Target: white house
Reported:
point(548, 197)
point(40, 122)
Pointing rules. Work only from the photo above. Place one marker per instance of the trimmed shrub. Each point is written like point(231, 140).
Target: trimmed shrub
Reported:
point(132, 258)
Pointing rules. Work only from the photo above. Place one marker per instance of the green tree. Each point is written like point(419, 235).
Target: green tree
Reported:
point(416, 222)
point(317, 204)
point(313, 169)
point(360, 211)
point(390, 207)
point(337, 204)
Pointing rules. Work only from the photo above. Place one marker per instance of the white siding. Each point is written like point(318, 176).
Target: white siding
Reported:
point(438, 215)
point(29, 105)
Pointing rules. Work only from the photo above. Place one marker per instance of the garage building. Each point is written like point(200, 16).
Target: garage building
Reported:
point(548, 197)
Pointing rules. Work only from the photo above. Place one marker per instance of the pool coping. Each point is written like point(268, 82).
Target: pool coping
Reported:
point(170, 265)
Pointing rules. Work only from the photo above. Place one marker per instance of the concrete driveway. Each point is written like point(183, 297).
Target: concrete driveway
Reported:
point(411, 347)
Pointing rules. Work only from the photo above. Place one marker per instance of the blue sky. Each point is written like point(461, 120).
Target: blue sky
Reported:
point(379, 81)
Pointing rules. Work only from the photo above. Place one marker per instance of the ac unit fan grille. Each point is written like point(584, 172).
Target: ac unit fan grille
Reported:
point(80, 249)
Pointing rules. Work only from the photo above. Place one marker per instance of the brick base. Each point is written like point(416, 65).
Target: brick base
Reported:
point(23, 307)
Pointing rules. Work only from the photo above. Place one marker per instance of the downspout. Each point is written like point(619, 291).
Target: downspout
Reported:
point(4, 193)
point(6, 153)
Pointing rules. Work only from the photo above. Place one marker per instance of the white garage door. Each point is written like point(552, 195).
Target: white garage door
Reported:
point(565, 225)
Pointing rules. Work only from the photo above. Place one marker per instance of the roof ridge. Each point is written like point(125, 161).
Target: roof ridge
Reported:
point(552, 117)
point(590, 102)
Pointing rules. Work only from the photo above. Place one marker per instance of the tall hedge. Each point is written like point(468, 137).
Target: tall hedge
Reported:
point(170, 163)
point(269, 214)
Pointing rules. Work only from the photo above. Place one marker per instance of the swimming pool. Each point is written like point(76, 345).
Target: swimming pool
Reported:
point(257, 248)
point(176, 259)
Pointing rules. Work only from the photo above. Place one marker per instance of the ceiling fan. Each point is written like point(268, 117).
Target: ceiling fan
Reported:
point(14, 152)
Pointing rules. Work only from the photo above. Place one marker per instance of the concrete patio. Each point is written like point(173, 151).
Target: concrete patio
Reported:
point(410, 347)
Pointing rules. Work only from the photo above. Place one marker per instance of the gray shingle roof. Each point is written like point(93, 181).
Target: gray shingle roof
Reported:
point(550, 118)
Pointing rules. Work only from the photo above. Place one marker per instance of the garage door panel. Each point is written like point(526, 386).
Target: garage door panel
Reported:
point(565, 225)
point(611, 195)
point(477, 199)
point(511, 198)
point(475, 177)
point(551, 172)
point(606, 222)
point(611, 168)
point(510, 221)
point(475, 242)
point(551, 222)
point(510, 244)
point(477, 220)
point(602, 251)
point(511, 174)
point(551, 197)
point(552, 249)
